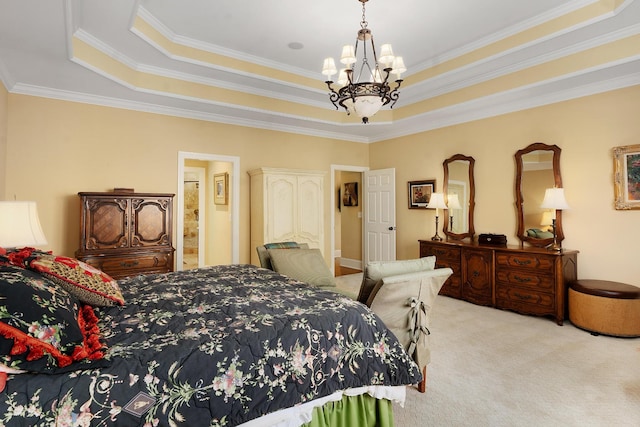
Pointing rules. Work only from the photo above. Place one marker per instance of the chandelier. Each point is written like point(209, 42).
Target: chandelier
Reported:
point(364, 89)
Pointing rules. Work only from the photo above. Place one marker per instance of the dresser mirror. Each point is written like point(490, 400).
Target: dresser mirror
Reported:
point(459, 191)
point(537, 168)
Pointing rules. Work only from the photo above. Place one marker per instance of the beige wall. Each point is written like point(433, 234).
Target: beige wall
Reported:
point(56, 149)
point(219, 220)
point(3, 139)
point(586, 130)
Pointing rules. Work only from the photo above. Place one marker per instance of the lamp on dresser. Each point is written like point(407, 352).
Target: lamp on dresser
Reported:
point(20, 225)
point(437, 202)
point(452, 203)
point(554, 199)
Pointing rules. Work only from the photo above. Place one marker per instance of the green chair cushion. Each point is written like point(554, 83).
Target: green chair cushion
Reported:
point(376, 270)
point(306, 265)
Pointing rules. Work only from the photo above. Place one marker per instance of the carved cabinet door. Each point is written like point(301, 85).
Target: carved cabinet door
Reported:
point(477, 276)
point(150, 222)
point(106, 223)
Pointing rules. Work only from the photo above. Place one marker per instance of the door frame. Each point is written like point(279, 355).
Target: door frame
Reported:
point(234, 186)
point(334, 169)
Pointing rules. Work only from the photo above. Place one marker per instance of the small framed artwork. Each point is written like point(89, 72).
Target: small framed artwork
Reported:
point(220, 188)
point(420, 193)
point(626, 177)
point(350, 196)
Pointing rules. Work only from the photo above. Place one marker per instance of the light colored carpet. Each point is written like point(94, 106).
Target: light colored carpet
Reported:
point(496, 368)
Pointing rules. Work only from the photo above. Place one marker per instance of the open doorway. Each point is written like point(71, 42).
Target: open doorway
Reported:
point(217, 223)
point(346, 221)
point(194, 225)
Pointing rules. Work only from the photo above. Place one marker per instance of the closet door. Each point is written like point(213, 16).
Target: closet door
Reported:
point(310, 218)
point(281, 208)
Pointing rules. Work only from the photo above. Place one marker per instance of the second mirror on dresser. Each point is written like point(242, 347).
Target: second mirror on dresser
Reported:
point(459, 191)
point(537, 168)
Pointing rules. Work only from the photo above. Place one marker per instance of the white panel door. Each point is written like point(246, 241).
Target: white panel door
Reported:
point(380, 215)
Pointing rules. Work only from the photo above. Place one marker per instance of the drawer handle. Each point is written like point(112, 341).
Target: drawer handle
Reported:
point(439, 252)
point(522, 262)
point(476, 273)
point(129, 264)
point(522, 279)
point(523, 297)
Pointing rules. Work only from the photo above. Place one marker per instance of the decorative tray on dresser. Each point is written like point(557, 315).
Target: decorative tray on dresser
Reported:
point(124, 233)
point(527, 280)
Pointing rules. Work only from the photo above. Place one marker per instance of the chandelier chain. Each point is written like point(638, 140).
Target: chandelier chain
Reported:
point(363, 23)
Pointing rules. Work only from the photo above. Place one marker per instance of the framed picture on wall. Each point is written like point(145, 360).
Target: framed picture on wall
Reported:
point(420, 193)
point(626, 176)
point(350, 196)
point(220, 188)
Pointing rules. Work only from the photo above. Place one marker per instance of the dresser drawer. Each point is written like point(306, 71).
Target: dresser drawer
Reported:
point(125, 266)
point(526, 279)
point(524, 300)
point(441, 252)
point(542, 264)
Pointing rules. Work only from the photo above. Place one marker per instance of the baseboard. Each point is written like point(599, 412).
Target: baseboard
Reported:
point(356, 264)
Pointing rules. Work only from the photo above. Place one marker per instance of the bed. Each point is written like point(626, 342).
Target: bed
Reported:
point(218, 346)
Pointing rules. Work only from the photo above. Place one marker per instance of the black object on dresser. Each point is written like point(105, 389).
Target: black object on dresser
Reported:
point(124, 233)
point(527, 280)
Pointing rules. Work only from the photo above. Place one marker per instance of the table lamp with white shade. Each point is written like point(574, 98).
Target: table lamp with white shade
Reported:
point(452, 203)
point(20, 225)
point(437, 202)
point(554, 199)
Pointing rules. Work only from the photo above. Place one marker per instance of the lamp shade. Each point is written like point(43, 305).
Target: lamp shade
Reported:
point(329, 67)
point(453, 202)
point(437, 201)
point(547, 218)
point(386, 54)
point(554, 199)
point(19, 225)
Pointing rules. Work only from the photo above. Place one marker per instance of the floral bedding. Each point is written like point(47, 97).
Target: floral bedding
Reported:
point(216, 346)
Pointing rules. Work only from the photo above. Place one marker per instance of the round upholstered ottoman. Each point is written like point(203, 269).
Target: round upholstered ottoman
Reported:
point(605, 307)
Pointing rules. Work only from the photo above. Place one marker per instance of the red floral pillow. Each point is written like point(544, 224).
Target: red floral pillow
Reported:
point(80, 279)
point(42, 327)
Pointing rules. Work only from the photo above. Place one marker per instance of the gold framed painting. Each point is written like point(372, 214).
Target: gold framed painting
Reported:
point(626, 176)
point(220, 188)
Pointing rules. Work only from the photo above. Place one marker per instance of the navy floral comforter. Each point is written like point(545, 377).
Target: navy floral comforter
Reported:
point(216, 346)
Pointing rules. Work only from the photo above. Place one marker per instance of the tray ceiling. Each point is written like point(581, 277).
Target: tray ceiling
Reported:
point(258, 64)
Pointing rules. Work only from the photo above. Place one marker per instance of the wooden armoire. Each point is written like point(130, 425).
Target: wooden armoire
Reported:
point(124, 233)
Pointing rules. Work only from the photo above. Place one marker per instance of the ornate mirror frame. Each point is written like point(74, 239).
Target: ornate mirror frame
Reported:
point(522, 235)
point(469, 204)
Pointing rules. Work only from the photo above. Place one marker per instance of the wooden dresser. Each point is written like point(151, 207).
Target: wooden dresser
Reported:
point(526, 280)
point(125, 233)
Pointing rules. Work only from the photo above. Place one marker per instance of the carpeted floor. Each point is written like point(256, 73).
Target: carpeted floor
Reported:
point(496, 368)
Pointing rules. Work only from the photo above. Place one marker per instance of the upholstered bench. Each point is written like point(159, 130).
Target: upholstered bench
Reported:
point(605, 307)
